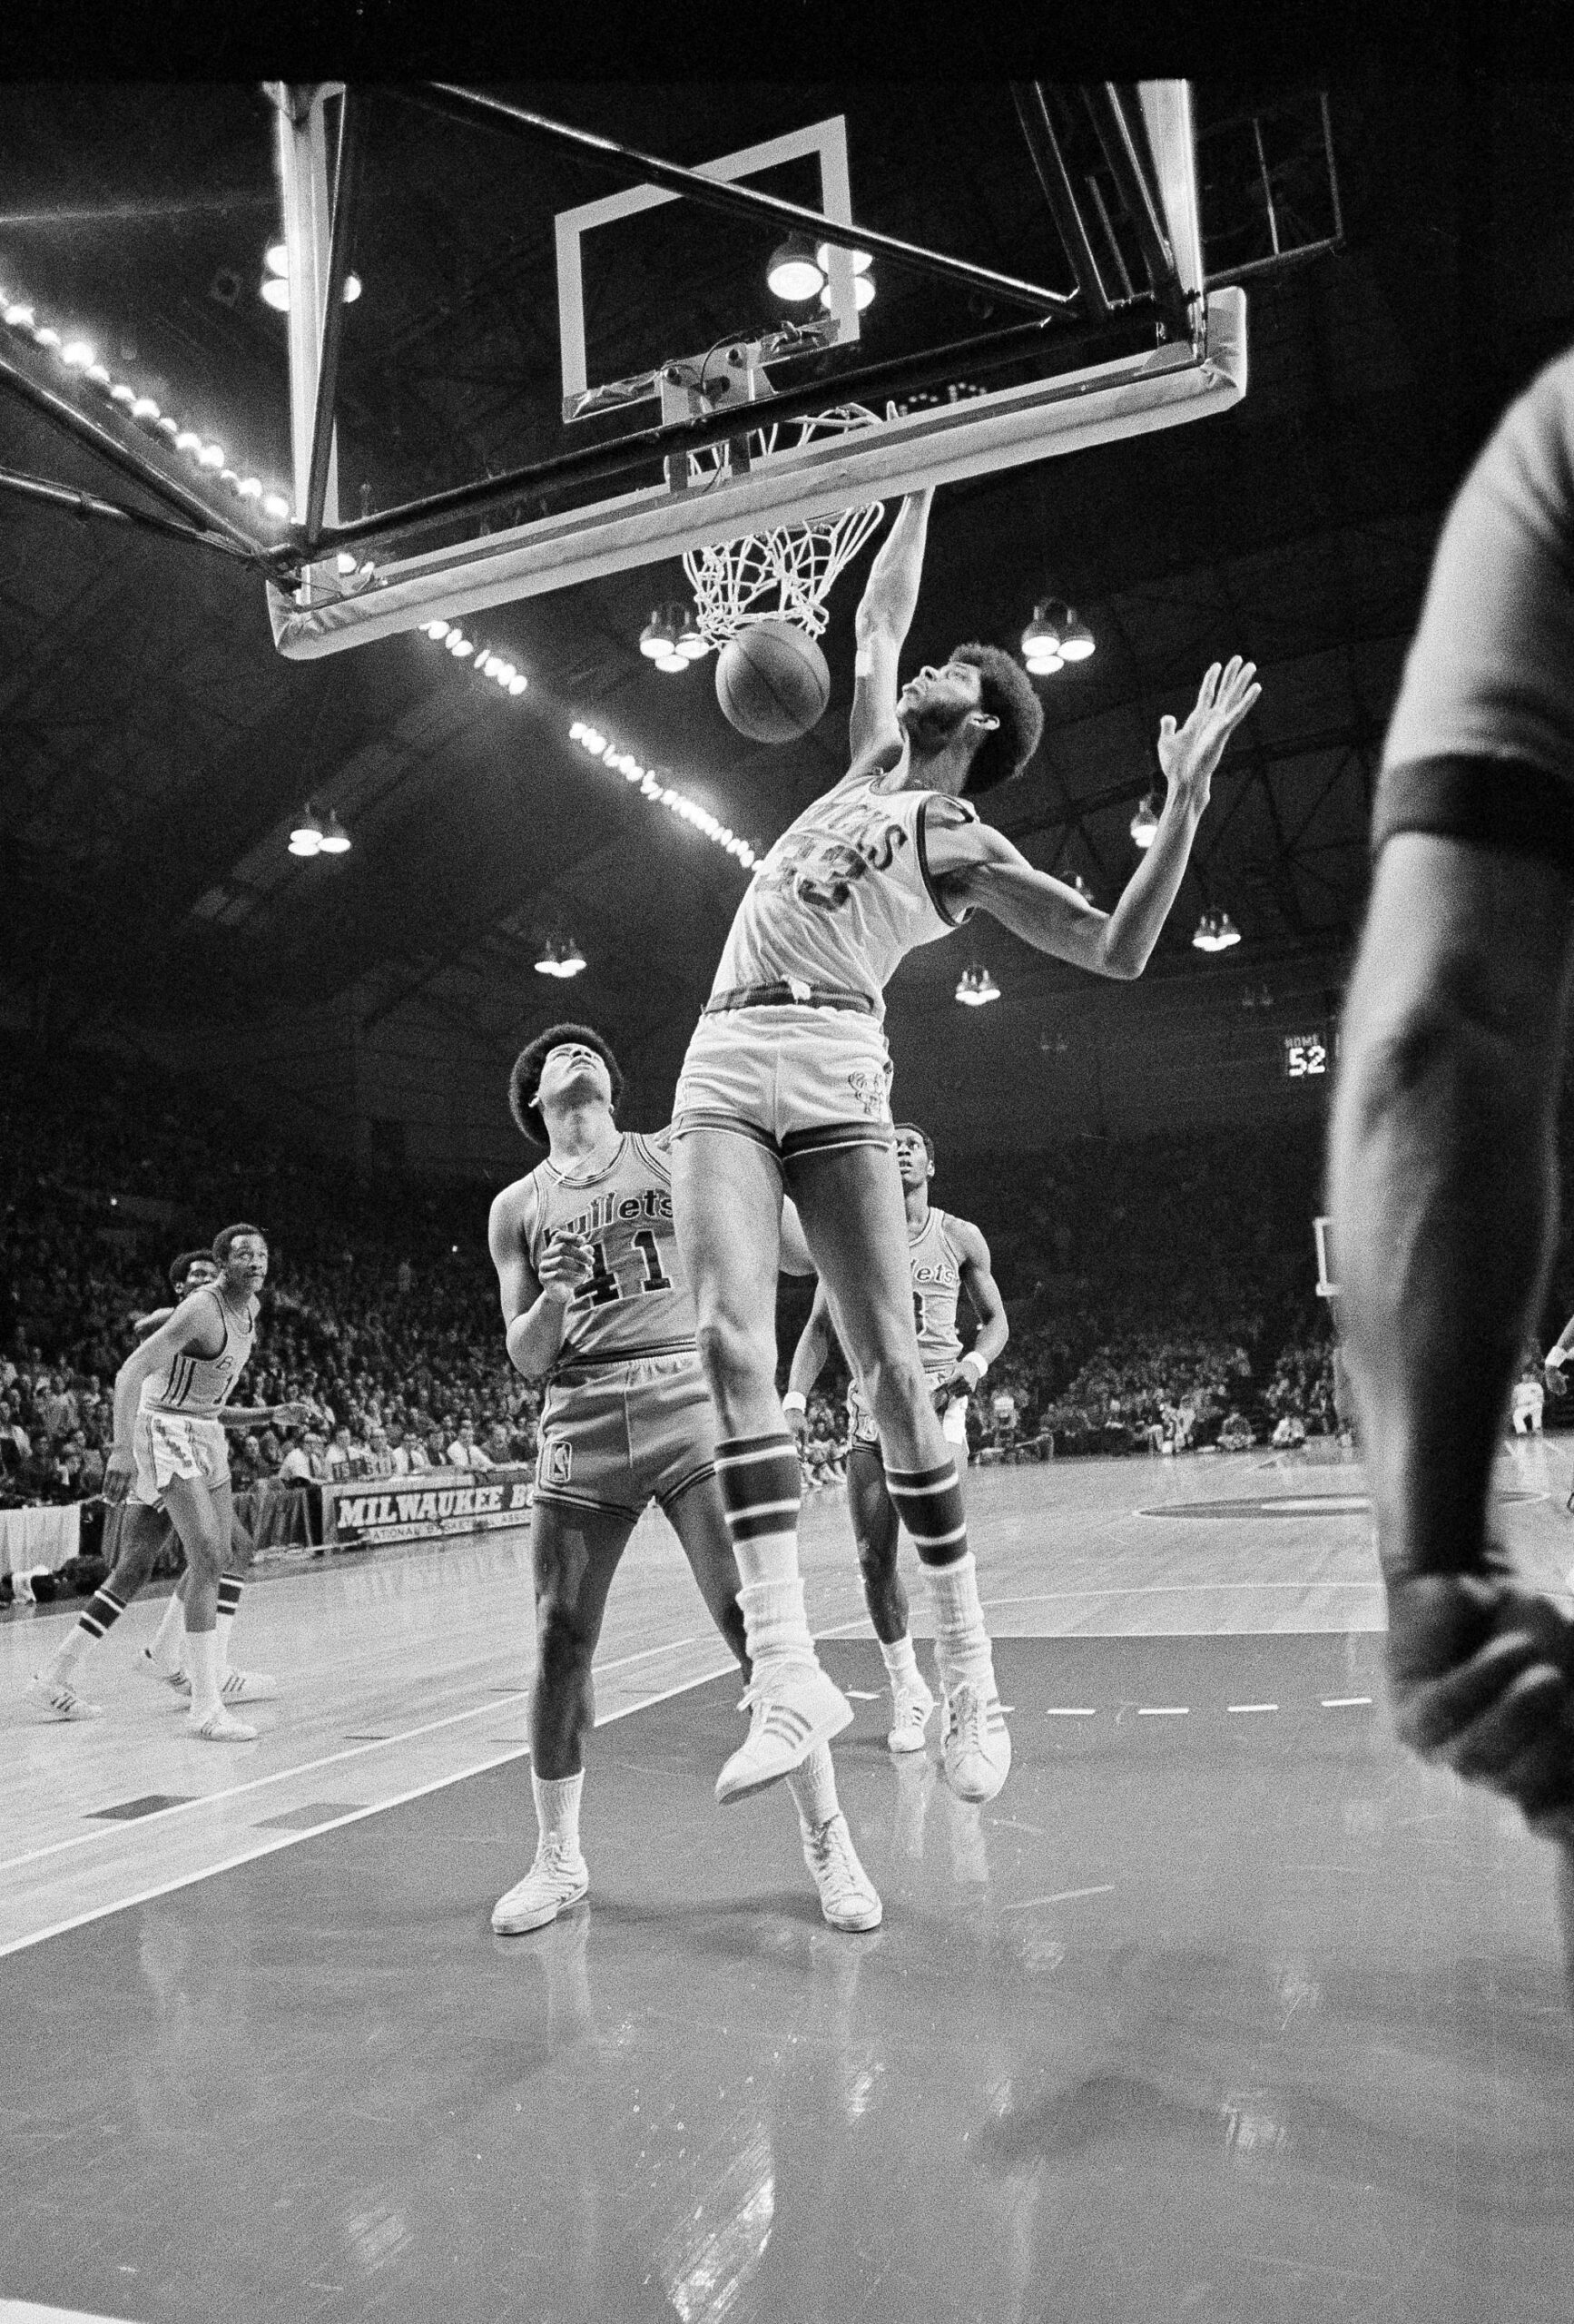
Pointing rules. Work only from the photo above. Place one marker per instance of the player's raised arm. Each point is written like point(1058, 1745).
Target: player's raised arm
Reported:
point(885, 615)
point(978, 869)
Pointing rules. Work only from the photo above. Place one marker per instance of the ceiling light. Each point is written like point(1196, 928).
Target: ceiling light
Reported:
point(1228, 933)
point(275, 293)
point(1145, 823)
point(673, 663)
point(518, 683)
point(120, 392)
point(794, 273)
point(306, 834)
point(78, 354)
point(274, 504)
point(861, 260)
point(211, 456)
point(692, 643)
point(188, 440)
point(276, 259)
point(1044, 665)
point(1076, 640)
point(20, 317)
point(1042, 638)
point(351, 289)
point(47, 336)
point(862, 292)
point(249, 487)
point(571, 960)
point(976, 986)
point(144, 408)
point(344, 562)
point(461, 648)
point(436, 630)
point(335, 840)
point(166, 427)
point(97, 374)
point(1215, 932)
point(659, 637)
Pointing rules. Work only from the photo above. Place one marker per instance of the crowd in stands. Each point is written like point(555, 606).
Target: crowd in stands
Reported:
point(1160, 1289)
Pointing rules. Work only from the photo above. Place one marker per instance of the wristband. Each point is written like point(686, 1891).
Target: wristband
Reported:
point(794, 1402)
point(977, 1364)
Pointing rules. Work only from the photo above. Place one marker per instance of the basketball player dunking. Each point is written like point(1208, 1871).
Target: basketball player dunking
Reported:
point(136, 1534)
point(593, 1296)
point(786, 1079)
point(946, 1255)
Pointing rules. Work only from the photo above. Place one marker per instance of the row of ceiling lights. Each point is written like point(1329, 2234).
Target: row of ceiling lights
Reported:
point(77, 354)
point(592, 739)
point(274, 287)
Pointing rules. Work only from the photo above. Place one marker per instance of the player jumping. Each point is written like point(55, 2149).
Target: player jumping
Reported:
point(946, 1255)
point(785, 1082)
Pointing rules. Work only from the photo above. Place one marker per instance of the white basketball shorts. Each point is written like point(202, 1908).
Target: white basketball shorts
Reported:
point(797, 1080)
point(175, 1444)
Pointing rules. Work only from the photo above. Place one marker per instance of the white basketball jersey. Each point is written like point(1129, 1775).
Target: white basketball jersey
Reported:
point(937, 1279)
point(637, 1302)
point(200, 1385)
point(844, 894)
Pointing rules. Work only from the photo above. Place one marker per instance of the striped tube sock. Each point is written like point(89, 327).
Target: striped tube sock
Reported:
point(961, 1642)
point(557, 1807)
point(228, 1605)
point(813, 1789)
point(761, 1492)
point(929, 1503)
point(101, 1613)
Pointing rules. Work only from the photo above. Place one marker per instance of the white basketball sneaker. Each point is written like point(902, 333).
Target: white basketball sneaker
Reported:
point(60, 1698)
point(975, 1742)
point(217, 1726)
point(559, 1877)
point(912, 1704)
point(792, 1707)
point(234, 1687)
point(848, 1896)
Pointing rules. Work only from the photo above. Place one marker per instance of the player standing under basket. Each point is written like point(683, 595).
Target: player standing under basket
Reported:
point(786, 1079)
point(593, 1296)
point(946, 1255)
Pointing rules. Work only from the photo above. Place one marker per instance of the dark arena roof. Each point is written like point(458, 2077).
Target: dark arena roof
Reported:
point(158, 748)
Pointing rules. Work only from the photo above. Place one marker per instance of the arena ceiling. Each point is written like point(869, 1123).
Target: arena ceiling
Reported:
point(156, 748)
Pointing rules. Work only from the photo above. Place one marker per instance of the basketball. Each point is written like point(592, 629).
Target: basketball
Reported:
point(772, 682)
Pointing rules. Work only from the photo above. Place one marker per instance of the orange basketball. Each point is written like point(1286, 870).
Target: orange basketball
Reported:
point(772, 682)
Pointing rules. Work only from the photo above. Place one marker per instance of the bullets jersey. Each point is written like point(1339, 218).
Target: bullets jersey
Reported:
point(937, 1280)
point(199, 1386)
point(844, 894)
point(636, 1301)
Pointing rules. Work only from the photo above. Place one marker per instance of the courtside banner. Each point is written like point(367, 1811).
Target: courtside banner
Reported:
point(417, 1509)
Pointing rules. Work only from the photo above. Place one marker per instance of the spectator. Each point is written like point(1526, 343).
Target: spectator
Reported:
point(464, 1452)
point(295, 1468)
point(380, 1460)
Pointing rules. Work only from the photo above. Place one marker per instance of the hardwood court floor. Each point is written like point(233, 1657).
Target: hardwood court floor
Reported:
point(1226, 2009)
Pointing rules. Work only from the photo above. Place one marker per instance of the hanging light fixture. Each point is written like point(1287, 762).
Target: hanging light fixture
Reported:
point(1041, 641)
point(976, 986)
point(306, 834)
point(862, 292)
point(659, 637)
point(335, 840)
point(692, 643)
point(1145, 823)
point(861, 260)
point(1076, 640)
point(794, 273)
point(274, 288)
point(570, 958)
point(1215, 932)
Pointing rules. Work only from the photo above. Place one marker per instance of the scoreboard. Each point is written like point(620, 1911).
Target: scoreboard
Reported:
point(1308, 1055)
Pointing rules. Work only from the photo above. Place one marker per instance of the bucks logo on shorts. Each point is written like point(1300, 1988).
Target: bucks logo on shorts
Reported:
point(869, 1088)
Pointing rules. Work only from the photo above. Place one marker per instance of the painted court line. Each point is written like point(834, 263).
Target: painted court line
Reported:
point(1251, 1706)
point(1062, 1897)
point(1163, 1710)
point(1347, 1702)
point(332, 1758)
point(1070, 1710)
point(1171, 1590)
point(316, 1831)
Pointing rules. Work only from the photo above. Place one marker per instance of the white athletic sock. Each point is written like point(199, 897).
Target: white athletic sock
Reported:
point(962, 1642)
point(224, 1620)
point(774, 1622)
point(902, 1663)
point(557, 1807)
point(813, 1789)
point(202, 1664)
point(165, 1649)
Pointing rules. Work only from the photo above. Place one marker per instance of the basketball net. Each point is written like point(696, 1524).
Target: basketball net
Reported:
point(786, 574)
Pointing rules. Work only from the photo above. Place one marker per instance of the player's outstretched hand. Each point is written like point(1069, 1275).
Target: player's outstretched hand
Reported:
point(1553, 1373)
point(1189, 754)
point(299, 1414)
point(118, 1473)
point(1480, 1674)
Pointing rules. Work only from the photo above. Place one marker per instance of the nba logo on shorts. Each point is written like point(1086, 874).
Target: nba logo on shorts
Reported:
point(556, 1461)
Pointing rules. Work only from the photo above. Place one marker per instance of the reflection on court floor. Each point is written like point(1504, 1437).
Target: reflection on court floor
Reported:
point(1226, 2008)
